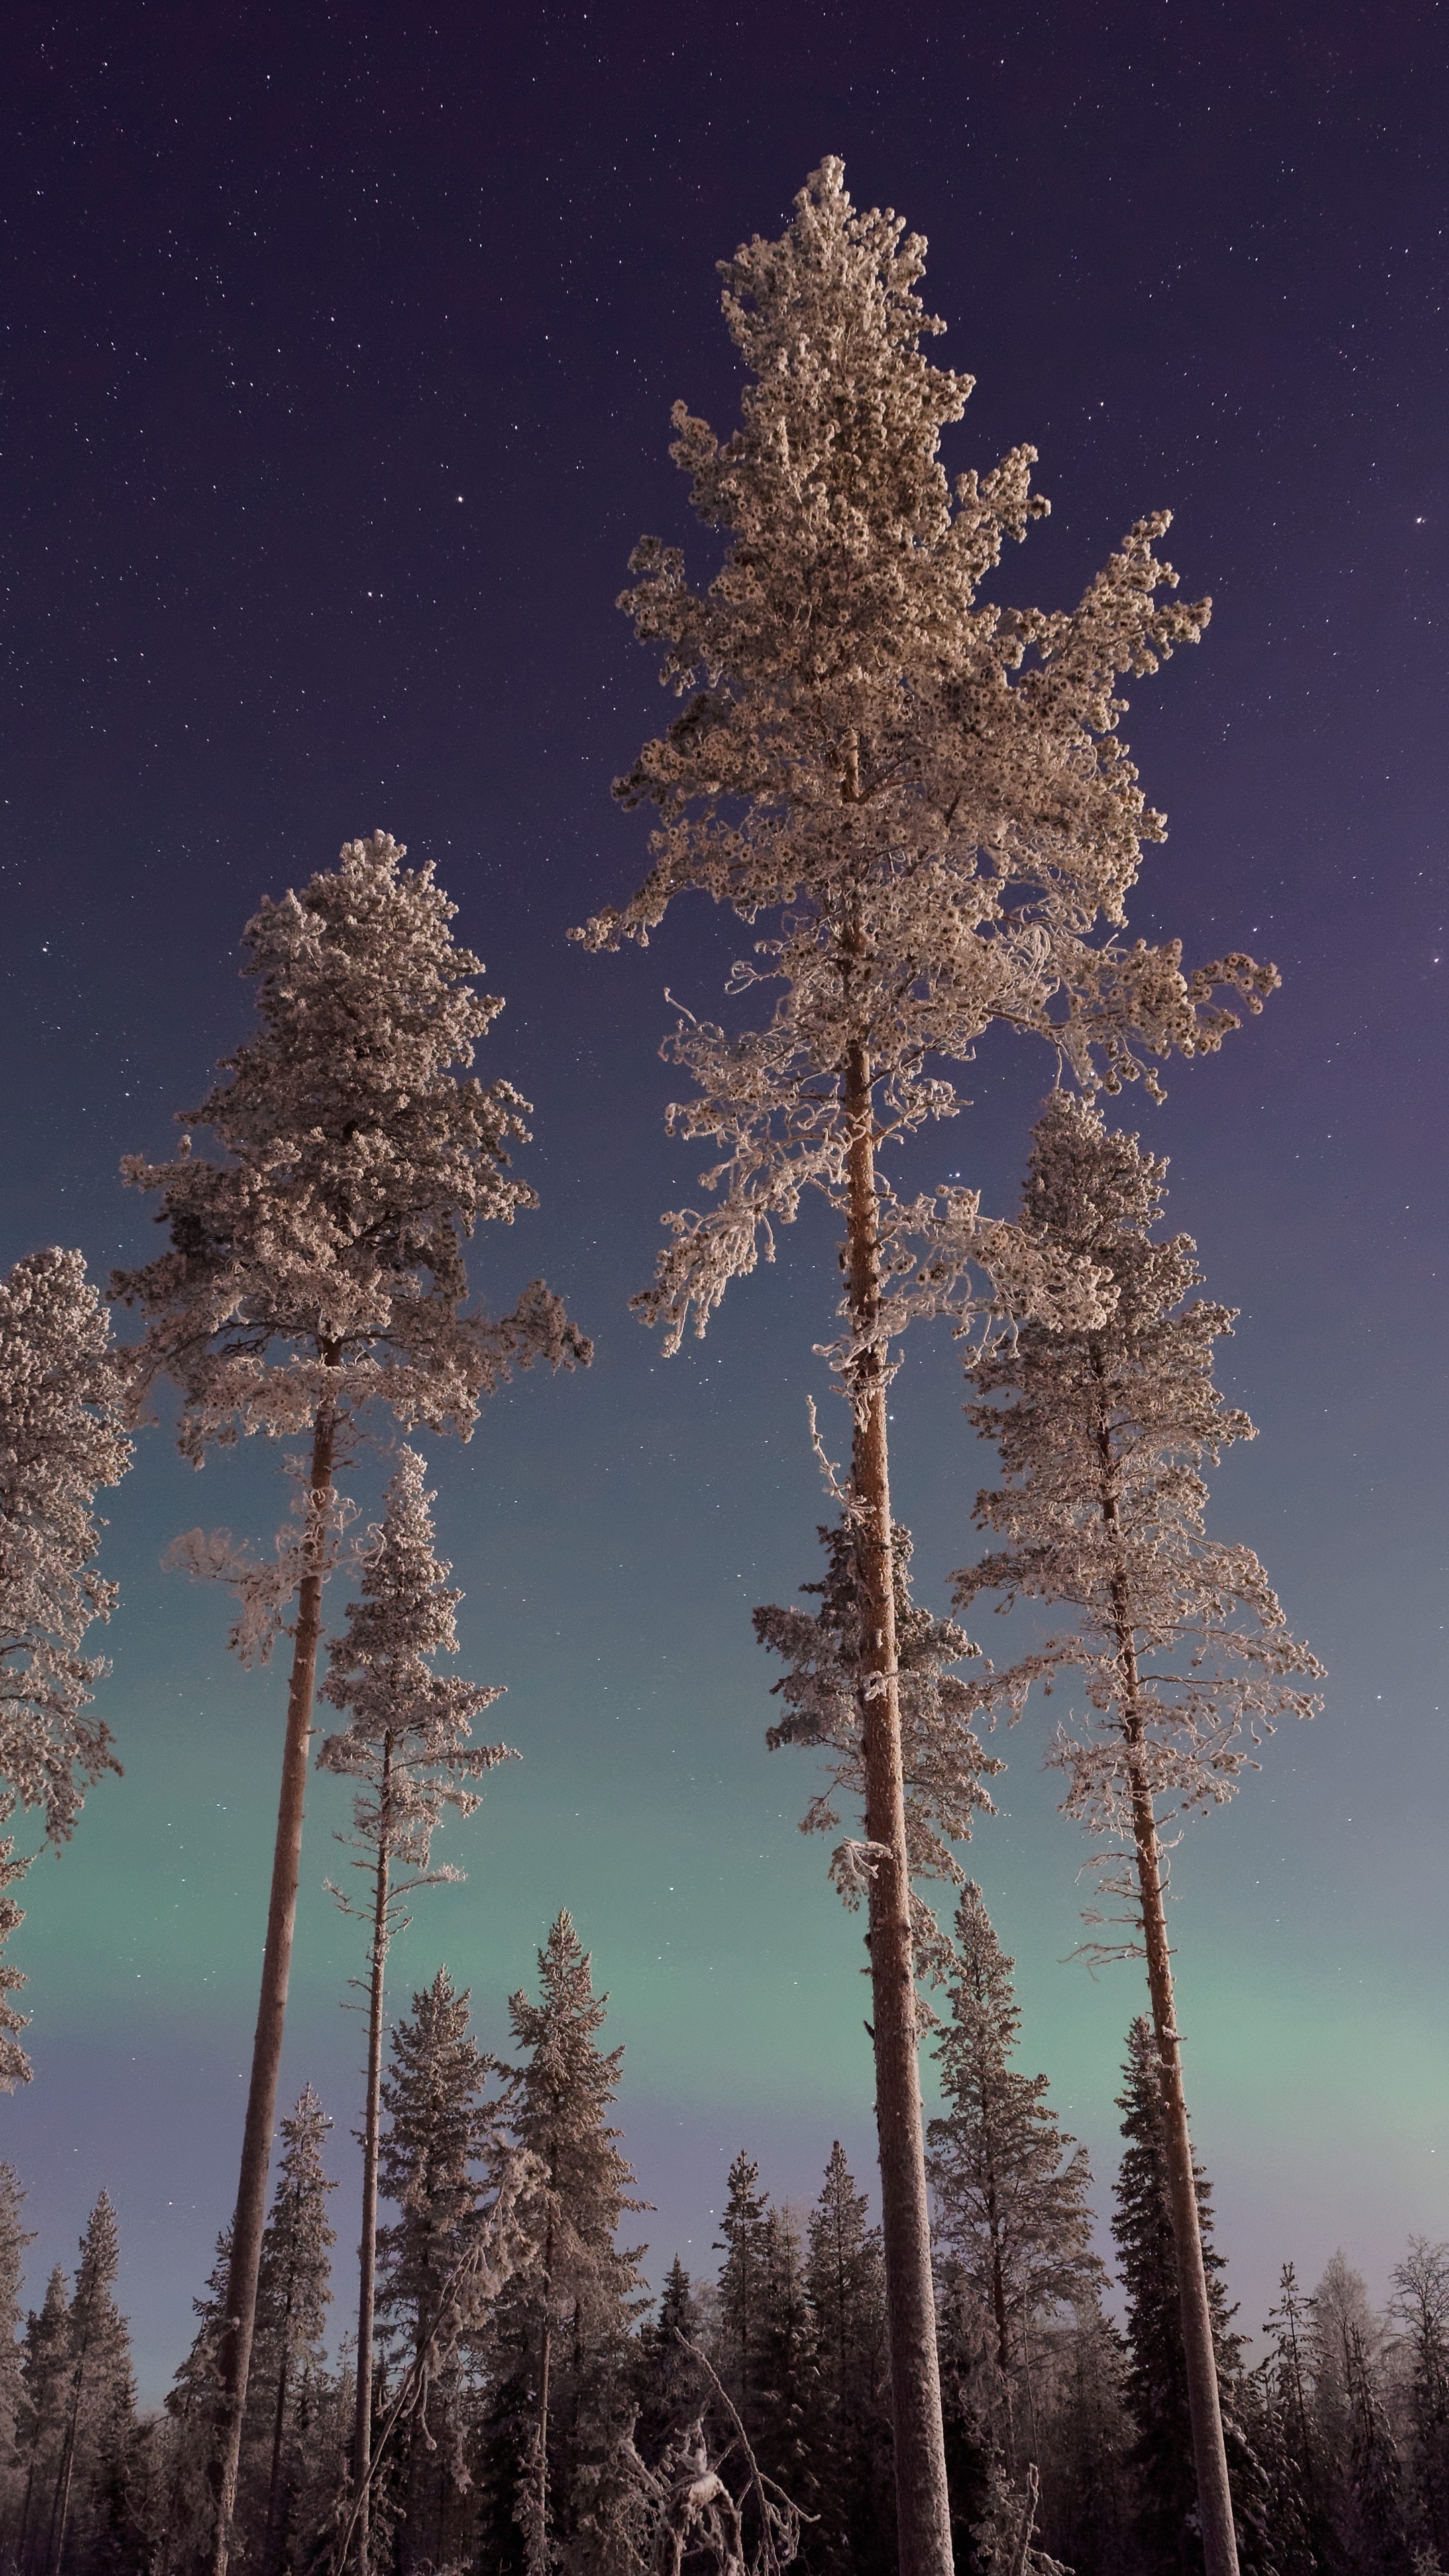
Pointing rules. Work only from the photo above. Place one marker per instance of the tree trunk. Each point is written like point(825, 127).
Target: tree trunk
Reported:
point(1215, 2504)
point(235, 2352)
point(922, 2504)
point(1210, 2459)
point(60, 2510)
point(279, 2426)
point(538, 2557)
point(367, 2255)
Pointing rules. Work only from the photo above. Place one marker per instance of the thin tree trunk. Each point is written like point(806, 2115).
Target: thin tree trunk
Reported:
point(367, 2256)
point(1210, 2459)
point(235, 2352)
point(540, 2560)
point(60, 2510)
point(1215, 2504)
point(922, 2503)
point(279, 2426)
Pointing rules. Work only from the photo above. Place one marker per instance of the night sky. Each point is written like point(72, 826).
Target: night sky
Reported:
point(339, 350)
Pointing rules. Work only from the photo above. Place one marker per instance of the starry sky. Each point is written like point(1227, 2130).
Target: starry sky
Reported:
point(339, 351)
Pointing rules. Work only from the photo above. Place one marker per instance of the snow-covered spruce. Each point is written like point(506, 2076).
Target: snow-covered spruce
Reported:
point(921, 799)
point(314, 1275)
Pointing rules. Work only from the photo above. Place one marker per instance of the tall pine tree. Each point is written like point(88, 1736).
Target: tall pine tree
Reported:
point(1186, 1657)
point(315, 1279)
point(920, 803)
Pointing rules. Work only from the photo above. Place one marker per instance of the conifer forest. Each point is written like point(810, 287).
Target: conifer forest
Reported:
point(513, 2150)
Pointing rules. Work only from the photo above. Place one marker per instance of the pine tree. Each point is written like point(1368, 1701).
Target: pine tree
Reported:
point(407, 1745)
point(927, 799)
point(442, 2132)
point(572, 2310)
point(294, 2290)
point(97, 2377)
point(313, 1277)
point(1156, 2383)
point(848, 2416)
point(1103, 1433)
point(1420, 2308)
point(1011, 2186)
point(61, 1441)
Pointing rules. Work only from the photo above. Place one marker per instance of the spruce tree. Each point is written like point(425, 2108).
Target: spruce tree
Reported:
point(1011, 2186)
point(97, 2385)
point(442, 2133)
point(740, 2291)
point(315, 1280)
point(1286, 2439)
point(848, 2411)
point(1420, 2309)
point(920, 802)
point(407, 1746)
point(1156, 2388)
point(1185, 1654)
point(670, 2384)
point(294, 2290)
point(43, 2372)
point(1378, 2538)
point(571, 2310)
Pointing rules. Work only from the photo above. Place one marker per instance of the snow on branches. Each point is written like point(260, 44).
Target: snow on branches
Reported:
point(1182, 1646)
point(362, 1153)
point(924, 792)
point(61, 1440)
point(944, 1762)
point(407, 1741)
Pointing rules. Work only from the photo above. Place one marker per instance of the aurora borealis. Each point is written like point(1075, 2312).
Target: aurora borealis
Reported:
point(341, 359)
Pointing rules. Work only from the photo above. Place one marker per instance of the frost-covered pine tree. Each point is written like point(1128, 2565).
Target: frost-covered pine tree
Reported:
point(315, 1278)
point(61, 1441)
point(1011, 2186)
point(294, 2290)
point(407, 1746)
point(570, 2309)
point(920, 800)
point(1184, 1653)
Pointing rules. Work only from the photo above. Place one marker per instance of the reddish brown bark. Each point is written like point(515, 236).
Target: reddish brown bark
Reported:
point(235, 2351)
point(922, 2504)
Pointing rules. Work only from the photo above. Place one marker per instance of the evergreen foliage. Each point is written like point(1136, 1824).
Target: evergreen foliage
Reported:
point(1011, 2187)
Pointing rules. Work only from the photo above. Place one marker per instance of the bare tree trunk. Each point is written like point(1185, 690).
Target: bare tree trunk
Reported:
point(1215, 2504)
point(235, 2351)
point(367, 2255)
point(922, 2504)
point(279, 2426)
point(539, 2560)
point(1210, 2459)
